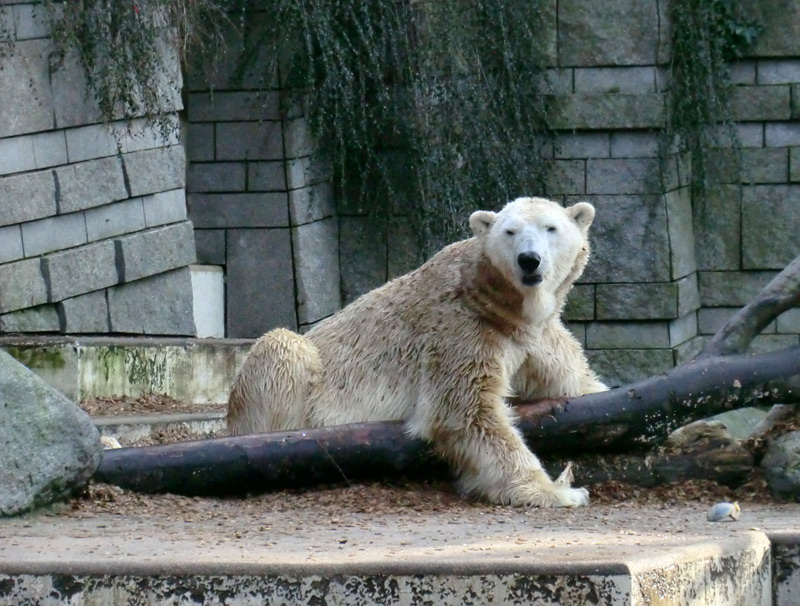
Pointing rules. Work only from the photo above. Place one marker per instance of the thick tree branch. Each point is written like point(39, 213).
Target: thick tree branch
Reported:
point(636, 416)
point(781, 294)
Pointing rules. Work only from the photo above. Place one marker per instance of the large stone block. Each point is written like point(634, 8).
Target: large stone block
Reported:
point(789, 321)
point(90, 142)
point(157, 305)
point(249, 141)
point(80, 270)
point(614, 80)
point(311, 170)
point(682, 329)
point(216, 177)
point(765, 165)
point(298, 141)
point(50, 446)
point(155, 251)
point(681, 232)
point(688, 294)
point(615, 32)
point(269, 209)
point(139, 135)
point(718, 221)
point(199, 142)
point(210, 245)
point(42, 318)
point(582, 145)
point(270, 176)
point(604, 111)
point(627, 335)
point(311, 203)
point(770, 226)
point(731, 288)
point(622, 176)
point(781, 22)
point(315, 247)
point(31, 21)
point(16, 155)
point(711, 319)
point(629, 240)
point(362, 250)
point(565, 178)
point(73, 104)
point(85, 314)
point(49, 149)
point(27, 197)
point(164, 207)
point(114, 219)
point(634, 144)
point(783, 71)
point(89, 184)
point(226, 106)
point(648, 301)
point(782, 134)
point(155, 170)
point(760, 103)
point(580, 304)
point(25, 82)
point(260, 286)
point(53, 233)
point(10, 243)
point(21, 285)
point(623, 366)
point(794, 165)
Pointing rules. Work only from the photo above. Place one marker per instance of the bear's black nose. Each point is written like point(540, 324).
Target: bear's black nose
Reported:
point(529, 261)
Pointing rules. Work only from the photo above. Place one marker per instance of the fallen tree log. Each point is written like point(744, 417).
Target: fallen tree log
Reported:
point(630, 418)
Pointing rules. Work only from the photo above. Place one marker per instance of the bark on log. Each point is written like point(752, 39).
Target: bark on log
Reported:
point(634, 417)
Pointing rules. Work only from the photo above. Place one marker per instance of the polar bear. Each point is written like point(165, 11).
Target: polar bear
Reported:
point(441, 348)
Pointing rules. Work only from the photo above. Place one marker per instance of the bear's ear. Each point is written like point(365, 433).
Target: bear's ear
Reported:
point(481, 221)
point(583, 214)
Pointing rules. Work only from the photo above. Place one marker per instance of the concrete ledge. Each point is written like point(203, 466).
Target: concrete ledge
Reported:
point(191, 370)
point(323, 554)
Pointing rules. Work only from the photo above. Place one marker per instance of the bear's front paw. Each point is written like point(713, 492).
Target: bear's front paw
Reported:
point(573, 497)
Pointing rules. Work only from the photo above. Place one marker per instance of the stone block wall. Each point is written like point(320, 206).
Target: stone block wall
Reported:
point(261, 202)
point(666, 271)
point(94, 236)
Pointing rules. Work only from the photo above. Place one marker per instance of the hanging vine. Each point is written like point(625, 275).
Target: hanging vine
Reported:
point(707, 35)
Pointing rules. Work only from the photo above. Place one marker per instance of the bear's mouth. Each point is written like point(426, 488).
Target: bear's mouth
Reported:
point(532, 279)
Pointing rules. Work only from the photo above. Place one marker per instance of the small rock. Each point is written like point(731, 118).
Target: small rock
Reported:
point(724, 512)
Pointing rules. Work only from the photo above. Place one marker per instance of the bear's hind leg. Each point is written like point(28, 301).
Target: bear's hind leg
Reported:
point(271, 390)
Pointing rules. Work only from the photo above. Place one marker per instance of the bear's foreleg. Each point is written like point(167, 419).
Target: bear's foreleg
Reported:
point(271, 390)
point(490, 455)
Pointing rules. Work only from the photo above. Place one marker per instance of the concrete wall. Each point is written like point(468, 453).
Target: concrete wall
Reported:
point(261, 202)
point(94, 236)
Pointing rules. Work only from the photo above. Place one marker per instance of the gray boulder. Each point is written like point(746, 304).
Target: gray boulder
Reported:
point(782, 465)
point(48, 446)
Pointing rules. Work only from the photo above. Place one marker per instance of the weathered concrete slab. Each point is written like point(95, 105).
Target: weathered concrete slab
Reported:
point(330, 554)
point(191, 370)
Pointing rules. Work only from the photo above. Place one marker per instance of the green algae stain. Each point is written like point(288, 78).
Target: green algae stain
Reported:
point(37, 358)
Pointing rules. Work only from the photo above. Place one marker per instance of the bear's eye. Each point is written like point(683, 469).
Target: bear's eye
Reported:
point(551, 228)
point(510, 232)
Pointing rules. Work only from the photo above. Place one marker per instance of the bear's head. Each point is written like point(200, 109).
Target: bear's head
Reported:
point(536, 243)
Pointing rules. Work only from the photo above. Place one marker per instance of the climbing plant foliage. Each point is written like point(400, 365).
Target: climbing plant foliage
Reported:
point(130, 50)
point(434, 107)
point(430, 108)
point(707, 35)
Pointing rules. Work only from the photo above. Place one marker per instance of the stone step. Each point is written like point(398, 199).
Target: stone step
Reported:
point(138, 429)
point(323, 555)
